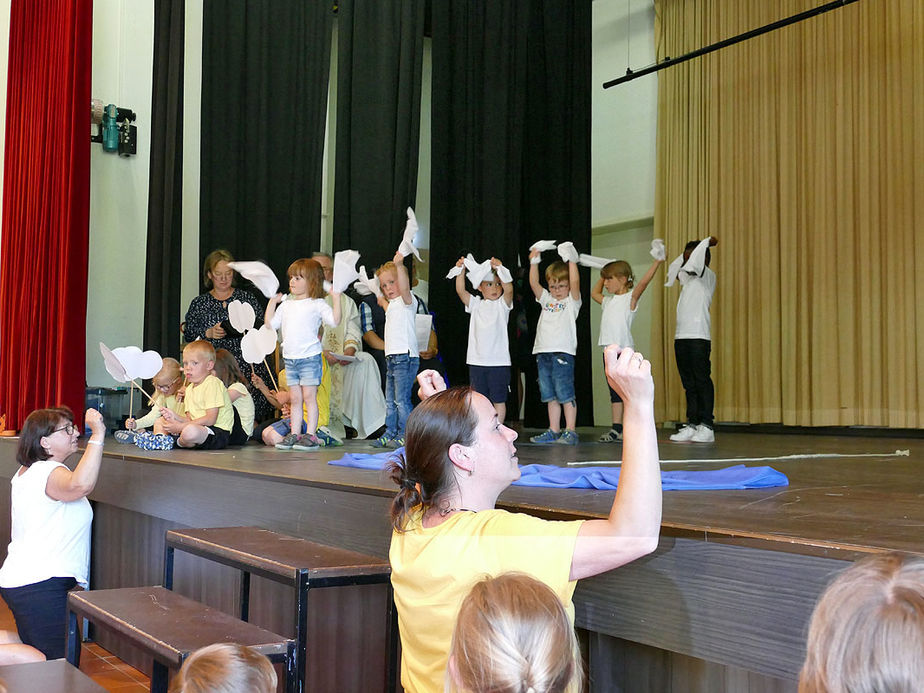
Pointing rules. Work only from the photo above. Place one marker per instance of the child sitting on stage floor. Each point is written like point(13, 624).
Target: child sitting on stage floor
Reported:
point(167, 382)
point(209, 415)
point(488, 355)
point(556, 344)
point(229, 372)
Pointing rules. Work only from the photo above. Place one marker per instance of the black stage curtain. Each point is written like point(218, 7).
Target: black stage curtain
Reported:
point(380, 58)
point(165, 197)
point(265, 70)
point(510, 158)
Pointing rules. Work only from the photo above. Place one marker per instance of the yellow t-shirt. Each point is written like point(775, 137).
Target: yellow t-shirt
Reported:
point(209, 394)
point(433, 569)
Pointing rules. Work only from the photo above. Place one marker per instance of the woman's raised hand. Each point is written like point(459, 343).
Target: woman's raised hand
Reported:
point(629, 373)
point(430, 382)
point(94, 421)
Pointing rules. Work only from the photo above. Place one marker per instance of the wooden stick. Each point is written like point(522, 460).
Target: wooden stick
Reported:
point(142, 390)
point(270, 371)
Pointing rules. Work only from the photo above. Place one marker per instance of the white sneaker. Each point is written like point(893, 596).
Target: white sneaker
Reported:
point(703, 434)
point(685, 434)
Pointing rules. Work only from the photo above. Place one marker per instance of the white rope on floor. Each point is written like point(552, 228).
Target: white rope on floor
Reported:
point(817, 455)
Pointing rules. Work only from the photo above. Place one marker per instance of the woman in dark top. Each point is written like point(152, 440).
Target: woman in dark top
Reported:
point(207, 318)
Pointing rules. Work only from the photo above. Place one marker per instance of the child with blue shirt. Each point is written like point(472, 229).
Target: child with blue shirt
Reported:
point(556, 344)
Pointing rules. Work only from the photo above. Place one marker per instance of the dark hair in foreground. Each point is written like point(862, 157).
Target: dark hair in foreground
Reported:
point(425, 473)
point(514, 635)
point(225, 668)
point(867, 632)
point(40, 423)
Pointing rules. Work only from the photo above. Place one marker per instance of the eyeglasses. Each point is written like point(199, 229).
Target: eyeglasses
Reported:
point(223, 275)
point(165, 387)
point(67, 428)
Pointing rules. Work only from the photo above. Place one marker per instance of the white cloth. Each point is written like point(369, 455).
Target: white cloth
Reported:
point(487, 332)
point(616, 321)
point(244, 406)
point(400, 335)
point(300, 321)
point(362, 401)
point(49, 538)
point(568, 253)
point(693, 320)
point(556, 330)
point(694, 264)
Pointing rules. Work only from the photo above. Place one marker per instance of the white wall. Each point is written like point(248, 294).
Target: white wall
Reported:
point(123, 40)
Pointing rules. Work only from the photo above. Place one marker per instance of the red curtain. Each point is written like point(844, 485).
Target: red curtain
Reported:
point(46, 203)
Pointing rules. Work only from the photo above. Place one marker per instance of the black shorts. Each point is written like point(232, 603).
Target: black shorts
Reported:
point(491, 381)
point(216, 440)
point(40, 610)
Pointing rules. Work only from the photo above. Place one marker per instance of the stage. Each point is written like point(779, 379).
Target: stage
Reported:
point(722, 605)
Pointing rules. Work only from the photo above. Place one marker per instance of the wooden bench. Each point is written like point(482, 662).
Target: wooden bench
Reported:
point(168, 627)
point(56, 676)
point(300, 563)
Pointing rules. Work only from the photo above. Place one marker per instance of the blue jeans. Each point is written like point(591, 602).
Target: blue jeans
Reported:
point(556, 377)
point(400, 373)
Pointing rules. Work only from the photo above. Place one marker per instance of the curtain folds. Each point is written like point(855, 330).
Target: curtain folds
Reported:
point(265, 71)
point(801, 150)
point(165, 193)
point(380, 61)
point(43, 260)
point(510, 155)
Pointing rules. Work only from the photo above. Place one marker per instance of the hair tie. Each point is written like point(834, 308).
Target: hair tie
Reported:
point(408, 484)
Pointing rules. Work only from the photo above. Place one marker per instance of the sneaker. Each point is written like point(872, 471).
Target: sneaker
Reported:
point(568, 438)
point(381, 442)
point(154, 441)
point(328, 440)
point(703, 434)
point(306, 441)
point(685, 434)
point(549, 436)
point(611, 436)
point(287, 442)
point(396, 443)
point(127, 437)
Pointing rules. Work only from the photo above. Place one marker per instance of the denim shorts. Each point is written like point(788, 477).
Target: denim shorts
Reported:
point(306, 371)
point(491, 381)
point(283, 427)
point(556, 377)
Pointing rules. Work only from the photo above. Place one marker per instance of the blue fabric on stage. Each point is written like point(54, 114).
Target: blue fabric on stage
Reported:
point(606, 478)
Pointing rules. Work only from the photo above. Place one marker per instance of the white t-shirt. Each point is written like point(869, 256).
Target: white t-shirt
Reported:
point(616, 321)
point(556, 330)
point(49, 538)
point(300, 320)
point(400, 335)
point(693, 305)
point(487, 332)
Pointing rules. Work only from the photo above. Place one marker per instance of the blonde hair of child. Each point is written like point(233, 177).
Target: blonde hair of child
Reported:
point(170, 373)
point(513, 635)
point(202, 348)
point(867, 630)
point(225, 668)
point(227, 369)
point(618, 268)
point(557, 272)
point(387, 267)
point(312, 273)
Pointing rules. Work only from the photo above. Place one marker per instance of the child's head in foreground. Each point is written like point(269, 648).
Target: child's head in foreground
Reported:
point(169, 378)
point(225, 668)
point(198, 360)
point(388, 280)
point(491, 288)
point(867, 632)
point(513, 635)
point(306, 278)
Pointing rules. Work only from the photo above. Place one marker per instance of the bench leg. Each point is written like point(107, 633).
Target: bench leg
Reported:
point(293, 682)
point(159, 678)
point(72, 650)
point(301, 633)
point(391, 644)
point(245, 595)
point(168, 568)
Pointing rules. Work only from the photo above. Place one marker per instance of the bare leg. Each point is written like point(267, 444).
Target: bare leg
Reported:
point(310, 395)
point(570, 415)
point(554, 416)
point(617, 412)
point(295, 409)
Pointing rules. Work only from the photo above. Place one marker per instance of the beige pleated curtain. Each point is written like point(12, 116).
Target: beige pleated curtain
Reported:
point(802, 151)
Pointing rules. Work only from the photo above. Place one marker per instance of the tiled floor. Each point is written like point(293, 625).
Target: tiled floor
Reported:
point(106, 669)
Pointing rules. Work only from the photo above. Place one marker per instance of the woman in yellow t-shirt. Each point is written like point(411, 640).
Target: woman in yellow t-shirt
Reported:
point(448, 535)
